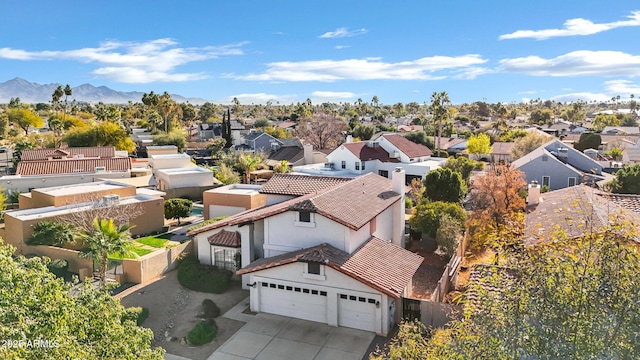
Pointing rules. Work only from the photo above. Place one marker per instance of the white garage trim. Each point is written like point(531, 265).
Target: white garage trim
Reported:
point(292, 299)
point(358, 312)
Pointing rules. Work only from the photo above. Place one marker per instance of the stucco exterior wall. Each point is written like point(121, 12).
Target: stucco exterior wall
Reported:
point(73, 258)
point(221, 199)
point(283, 233)
point(150, 266)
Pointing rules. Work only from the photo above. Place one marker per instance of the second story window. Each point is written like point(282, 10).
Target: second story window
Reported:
point(357, 165)
point(304, 216)
point(344, 164)
point(363, 165)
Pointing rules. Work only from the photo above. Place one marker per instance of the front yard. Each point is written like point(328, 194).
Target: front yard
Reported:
point(174, 310)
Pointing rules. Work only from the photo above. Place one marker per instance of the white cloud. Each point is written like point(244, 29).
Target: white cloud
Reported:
point(134, 62)
point(342, 32)
point(361, 69)
point(340, 47)
point(622, 87)
point(576, 63)
point(259, 98)
point(574, 27)
point(333, 94)
point(582, 96)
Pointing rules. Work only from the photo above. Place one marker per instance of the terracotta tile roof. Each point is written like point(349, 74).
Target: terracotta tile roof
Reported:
point(352, 203)
point(408, 147)
point(381, 265)
point(366, 153)
point(575, 209)
point(71, 166)
point(89, 152)
point(225, 238)
point(489, 281)
point(446, 143)
point(297, 185)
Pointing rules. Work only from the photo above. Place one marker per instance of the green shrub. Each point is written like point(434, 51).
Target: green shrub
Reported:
point(205, 278)
point(408, 204)
point(58, 267)
point(202, 333)
point(209, 309)
point(137, 313)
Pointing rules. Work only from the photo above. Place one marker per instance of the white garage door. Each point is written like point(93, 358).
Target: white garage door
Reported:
point(358, 312)
point(293, 300)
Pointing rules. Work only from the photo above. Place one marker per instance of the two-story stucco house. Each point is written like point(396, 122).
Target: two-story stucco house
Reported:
point(335, 255)
point(380, 155)
point(558, 166)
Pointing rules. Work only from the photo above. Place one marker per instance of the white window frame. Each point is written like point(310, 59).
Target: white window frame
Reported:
point(548, 181)
point(308, 275)
point(575, 181)
point(310, 224)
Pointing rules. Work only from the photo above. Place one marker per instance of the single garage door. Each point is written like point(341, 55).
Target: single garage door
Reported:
point(358, 312)
point(290, 299)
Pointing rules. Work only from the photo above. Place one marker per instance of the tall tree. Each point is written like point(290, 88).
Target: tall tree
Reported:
point(39, 308)
point(627, 180)
point(56, 96)
point(444, 185)
point(561, 299)
point(479, 144)
point(67, 92)
point(439, 109)
point(527, 144)
point(177, 208)
point(323, 131)
point(226, 129)
point(104, 239)
point(24, 118)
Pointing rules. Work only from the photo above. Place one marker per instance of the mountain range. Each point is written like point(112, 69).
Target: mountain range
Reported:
point(30, 92)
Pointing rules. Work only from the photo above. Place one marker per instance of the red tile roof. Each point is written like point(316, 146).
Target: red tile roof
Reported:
point(378, 264)
point(225, 238)
point(366, 153)
point(352, 203)
point(297, 185)
point(408, 147)
point(71, 166)
point(88, 152)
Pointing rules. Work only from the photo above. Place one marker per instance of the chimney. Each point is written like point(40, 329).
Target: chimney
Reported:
point(398, 186)
point(308, 154)
point(533, 195)
point(349, 139)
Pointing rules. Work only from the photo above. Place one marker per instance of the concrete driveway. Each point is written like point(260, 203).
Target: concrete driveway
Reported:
point(273, 337)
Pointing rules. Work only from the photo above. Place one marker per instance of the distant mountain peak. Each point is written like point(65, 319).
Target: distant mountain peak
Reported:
point(31, 92)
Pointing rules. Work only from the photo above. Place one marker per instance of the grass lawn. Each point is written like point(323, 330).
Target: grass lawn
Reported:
point(138, 250)
point(153, 241)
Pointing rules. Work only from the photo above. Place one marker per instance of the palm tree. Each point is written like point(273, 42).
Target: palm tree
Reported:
point(282, 167)
point(103, 239)
point(67, 92)
point(249, 163)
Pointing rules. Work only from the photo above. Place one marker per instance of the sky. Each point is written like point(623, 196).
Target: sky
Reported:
point(330, 51)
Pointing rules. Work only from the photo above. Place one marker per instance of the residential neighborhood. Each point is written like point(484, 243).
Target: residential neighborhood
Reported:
point(211, 184)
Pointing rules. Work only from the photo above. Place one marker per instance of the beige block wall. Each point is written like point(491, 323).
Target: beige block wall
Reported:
point(25, 201)
point(76, 262)
point(193, 193)
point(236, 200)
point(151, 219)
point(150, 266)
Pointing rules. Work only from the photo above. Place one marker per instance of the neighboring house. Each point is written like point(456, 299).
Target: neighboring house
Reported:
point(208, 131)
point(290, 150)
point(380, 155)
point(501, 152)
point(403, 129)
point(161, 150)
point(261, 141)
point(61, 203)
point(621, 130)
point(577, 210)
point(65, 166)
point(179, 177)
point(631, 156)
point(334, 256)
point(557, 166)
point(452, 145)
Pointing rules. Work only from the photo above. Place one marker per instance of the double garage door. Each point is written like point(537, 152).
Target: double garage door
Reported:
point(295, 300)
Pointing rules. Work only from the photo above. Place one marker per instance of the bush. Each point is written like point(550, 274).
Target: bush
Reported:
point(206, 222)
point(202, 333)
point(408, 204)
point(209, 309)
point(205, 278)
point(58, 267)
point(137, 313)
